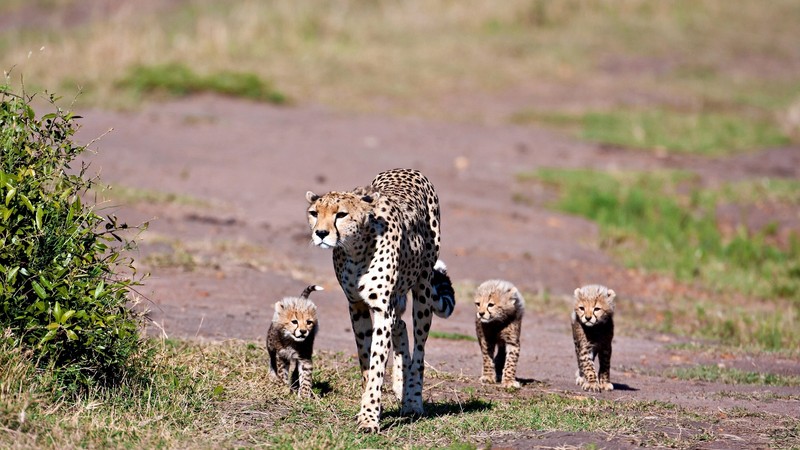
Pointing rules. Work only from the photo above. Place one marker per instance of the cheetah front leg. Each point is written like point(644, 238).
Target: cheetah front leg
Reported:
point(362, 329)
point(487, 351)
point(369, 415)
point(509, 379)
point(304, 369)
point(605, 369)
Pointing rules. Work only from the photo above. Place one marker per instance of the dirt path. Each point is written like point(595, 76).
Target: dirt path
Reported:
point(241, 170)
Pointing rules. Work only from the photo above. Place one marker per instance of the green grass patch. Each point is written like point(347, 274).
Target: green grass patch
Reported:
point(680, 132)
point(221, 393)
point(179, 80)
point(732, 376)
point(452, 336)
point(129, 195)
point(666, 222)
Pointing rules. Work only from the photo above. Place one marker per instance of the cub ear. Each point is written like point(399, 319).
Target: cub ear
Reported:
point(278, 307)
point(311, 197)
point(611, 294)
point(577, 293)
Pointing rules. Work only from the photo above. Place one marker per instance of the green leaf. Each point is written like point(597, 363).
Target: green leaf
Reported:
point(10, 195)
point(52, 326)
point(38, 220)
point(65, 317)
point(57, 312)
point(49, 336)
point(27, 202)
point(39, 290)
point(11, 275)
point(99, 289)
point(71, 335)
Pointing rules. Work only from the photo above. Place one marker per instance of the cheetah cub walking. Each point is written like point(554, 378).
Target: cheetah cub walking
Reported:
point(592, 331)
point(290, 341)
point(498, 322)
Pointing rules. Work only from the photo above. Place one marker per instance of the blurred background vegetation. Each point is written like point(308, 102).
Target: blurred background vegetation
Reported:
point(707, 76)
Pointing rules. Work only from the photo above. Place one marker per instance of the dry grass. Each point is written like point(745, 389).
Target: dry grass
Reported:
point(409, 56)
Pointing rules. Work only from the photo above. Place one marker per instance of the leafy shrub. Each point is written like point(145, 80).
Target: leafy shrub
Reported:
point(64, 284)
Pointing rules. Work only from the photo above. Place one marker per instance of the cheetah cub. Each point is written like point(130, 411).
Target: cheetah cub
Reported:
point(497, 323)
point(290, 341)
point(592, 331)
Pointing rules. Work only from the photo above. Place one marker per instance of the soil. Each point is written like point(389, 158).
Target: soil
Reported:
point(240, 171)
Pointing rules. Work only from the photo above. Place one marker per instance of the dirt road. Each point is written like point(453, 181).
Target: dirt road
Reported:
point(233, 238)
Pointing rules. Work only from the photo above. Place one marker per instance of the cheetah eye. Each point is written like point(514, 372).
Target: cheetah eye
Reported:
point(580, 307)
point(341, 215)
point(596, 309)
point(309, 322)
point(490, 304)
point(312, 213)
point(294, 321)
point(477, 303)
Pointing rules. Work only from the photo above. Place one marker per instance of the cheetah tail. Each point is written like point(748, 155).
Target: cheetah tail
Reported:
point(310, 289)
point(444, 296)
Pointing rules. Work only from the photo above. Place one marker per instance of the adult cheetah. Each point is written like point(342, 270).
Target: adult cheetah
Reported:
point(385, 240)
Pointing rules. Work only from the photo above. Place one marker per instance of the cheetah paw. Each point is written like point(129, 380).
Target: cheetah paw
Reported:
point(511, 384)
point(591, 386)
point(486, 379)
point(412, 409)
point(608, 386)
point(367, 424)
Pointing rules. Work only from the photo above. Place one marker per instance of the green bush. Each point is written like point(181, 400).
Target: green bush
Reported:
point(64, 283)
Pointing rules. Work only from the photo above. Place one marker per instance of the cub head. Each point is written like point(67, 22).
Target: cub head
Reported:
point(594, 304)
point(336, 217)
point(296, 317)
point(497, 301)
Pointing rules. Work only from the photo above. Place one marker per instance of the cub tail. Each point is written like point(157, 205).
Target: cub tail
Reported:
point(311, 289)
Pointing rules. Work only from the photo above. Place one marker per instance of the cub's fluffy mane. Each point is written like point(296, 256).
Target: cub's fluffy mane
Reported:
point(500, 286)
point(297, 304)
point(594, 291)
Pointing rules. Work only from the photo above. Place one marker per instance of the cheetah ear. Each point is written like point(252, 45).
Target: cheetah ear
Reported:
point(611, 294)
point(311, 197)
point(369, 194)
point(278, 307)
point(577, 293)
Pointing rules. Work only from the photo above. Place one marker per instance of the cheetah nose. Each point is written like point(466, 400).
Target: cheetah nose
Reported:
point(303, 332)
point(481, 313)
point(322, 233)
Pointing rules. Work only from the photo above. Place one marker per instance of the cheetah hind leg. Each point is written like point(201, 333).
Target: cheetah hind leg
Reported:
point(402, 358)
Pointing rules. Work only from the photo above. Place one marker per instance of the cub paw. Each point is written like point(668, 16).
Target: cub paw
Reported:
point(487, 379)
point(607, 386)
point(591, 386)
point(511, 384)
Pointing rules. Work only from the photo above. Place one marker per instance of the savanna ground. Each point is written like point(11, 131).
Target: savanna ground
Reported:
point(649, 146)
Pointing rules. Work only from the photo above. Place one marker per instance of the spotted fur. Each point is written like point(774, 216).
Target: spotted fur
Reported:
point(593, 331)
point(498, 322)
point(385, 239)
point(290, 341)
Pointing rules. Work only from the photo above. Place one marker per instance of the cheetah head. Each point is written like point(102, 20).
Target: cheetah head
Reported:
point(337, 217)
point(497, 301)
point(594, 304)
point(297, 318)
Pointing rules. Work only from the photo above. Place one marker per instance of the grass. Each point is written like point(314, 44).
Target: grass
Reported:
point(452, 336)
point(219, 394)
point(732, 376)
point(673, 131)
point(178, 80)
point(666, 222)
